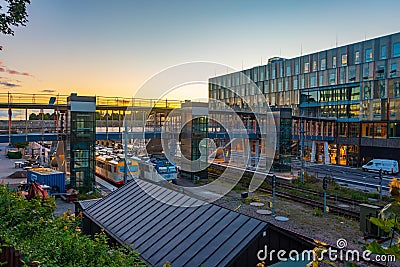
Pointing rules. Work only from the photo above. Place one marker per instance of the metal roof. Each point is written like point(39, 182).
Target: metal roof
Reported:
point(87, 203)
point(206, 235)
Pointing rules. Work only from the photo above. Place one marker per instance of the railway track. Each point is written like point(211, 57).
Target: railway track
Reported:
point(319, 194)
point(315, 204)
point(335, 209)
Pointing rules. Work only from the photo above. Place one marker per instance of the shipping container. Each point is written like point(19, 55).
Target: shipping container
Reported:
point(46, 176)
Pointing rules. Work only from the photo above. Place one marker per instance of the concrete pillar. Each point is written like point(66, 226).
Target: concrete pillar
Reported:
point(326, 153)
point(313, 151)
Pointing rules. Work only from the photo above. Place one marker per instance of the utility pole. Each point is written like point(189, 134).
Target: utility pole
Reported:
point(302, 152)
point(125, 153)
point(325, 186)
point(380, 184)
point(273, 194)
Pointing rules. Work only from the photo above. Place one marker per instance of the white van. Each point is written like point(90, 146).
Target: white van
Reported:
point(387, 166)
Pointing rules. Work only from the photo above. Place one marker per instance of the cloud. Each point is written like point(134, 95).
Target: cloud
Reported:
point(9, 85)
point(48, 91)
point(15, 72)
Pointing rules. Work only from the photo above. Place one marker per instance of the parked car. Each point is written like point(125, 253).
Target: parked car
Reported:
point(386, 165)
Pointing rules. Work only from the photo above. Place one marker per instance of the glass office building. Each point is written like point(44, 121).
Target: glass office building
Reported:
point(347, 99)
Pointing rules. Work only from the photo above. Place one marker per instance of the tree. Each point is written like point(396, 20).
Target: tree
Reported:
point(15, 15)
point(33, 116)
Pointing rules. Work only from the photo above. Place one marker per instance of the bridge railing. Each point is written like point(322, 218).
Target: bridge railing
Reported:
point(59, 99)
point(22, 98)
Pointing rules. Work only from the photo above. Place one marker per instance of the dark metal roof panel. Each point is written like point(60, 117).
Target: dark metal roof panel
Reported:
point(183, 235)
point(87, 203)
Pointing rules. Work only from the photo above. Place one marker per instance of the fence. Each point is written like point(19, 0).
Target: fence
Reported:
point(10, 257)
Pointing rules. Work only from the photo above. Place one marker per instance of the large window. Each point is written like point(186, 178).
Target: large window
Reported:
point(396, 49)
point(368, 55)
point(376, 130)
point(367, 129)
point(341, 76)
point(314, 65)
point(296, 68)
point(394, 130)
point(354, 111)
point(352, 73)
point(376, 105)
point(332, 78)
point(357, 58)
point(354, 93)
point(344, 59)
point(383, 52)
point(323, 64)
point(354, 129)
point(334, 62)
point(288, 70)
point(380, 130)
point(393, 70)
point(313, 81)
point(366, 72)
point(342, 111)
point(380, 72)
point(321, 80)
point(367, 90)
point(306, 67)
point(382, 89)
point(396, 88)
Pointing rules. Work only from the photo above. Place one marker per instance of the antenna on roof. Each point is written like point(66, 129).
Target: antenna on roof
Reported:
point(301, 49)
point(336, 41)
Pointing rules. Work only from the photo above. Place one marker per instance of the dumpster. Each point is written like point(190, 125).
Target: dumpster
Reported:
point(50, 177)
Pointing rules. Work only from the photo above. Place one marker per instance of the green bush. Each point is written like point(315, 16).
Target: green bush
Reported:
point(317, 212)
point(31, 228)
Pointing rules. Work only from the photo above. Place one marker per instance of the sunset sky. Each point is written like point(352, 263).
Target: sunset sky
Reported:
point(110, 48)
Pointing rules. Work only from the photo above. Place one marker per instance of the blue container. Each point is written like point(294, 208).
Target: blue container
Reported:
point(45, 176)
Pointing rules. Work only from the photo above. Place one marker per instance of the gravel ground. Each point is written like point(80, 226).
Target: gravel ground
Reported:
point(302, 221)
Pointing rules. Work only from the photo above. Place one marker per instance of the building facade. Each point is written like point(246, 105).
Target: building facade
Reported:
point(346, 99)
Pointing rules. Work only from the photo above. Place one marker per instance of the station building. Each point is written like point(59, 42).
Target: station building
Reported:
point(346, 99)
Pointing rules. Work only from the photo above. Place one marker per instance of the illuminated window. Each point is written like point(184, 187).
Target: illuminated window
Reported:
point(367, 90)
point(334, 62)
point(357, 59)
point(368, 55)
point(376, 105)
point(307, 67)
point(344, 59)
point(314, 67)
